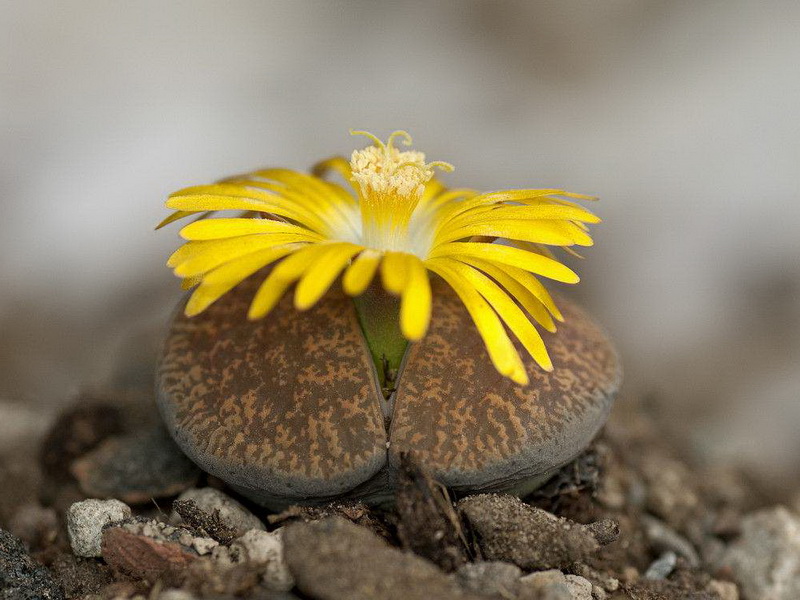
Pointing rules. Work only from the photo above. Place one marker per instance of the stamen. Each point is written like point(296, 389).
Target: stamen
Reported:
point(375, 139)
point(441, 165)
point(390, 192)
point(399, 133)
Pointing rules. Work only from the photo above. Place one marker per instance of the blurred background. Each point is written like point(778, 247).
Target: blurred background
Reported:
point(681, 115)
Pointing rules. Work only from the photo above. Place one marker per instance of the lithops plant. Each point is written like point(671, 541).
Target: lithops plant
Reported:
point(318, 400)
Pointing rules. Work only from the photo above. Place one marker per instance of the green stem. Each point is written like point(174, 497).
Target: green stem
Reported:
point(379, 315)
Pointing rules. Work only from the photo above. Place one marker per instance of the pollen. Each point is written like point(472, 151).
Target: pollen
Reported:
point(391, 183)
point(383, 169)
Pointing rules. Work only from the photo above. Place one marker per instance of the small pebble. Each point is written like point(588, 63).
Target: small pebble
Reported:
point(545, 585)
point(85, 522)
point(599, 593)
point(671, 489)
point(662, 567)
point(663, 537)
point(580, 588)
point(509, 530)
point(490, 578)
point(204, 546)
point(136, 468)
point(34, 524)
point(266, 549)
point(75, 432)
point(723, 590)
point(604, 531)
point(337, 560)
point(140, 551)
point(176, 595)
point(21, 577)
point(766, 558)
point(231, 512)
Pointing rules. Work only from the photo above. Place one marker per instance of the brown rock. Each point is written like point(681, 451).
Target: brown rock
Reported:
point(144, 557)
point(136, 468)
point(334, 559)
point(509, 530)
point(77, 431)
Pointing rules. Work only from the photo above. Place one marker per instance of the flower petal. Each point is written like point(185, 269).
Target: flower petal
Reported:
point(415, 302)
point(225, 228)
point(361, 272)
point(196, 258)
point(326, 268)
point(223, 279)
point(519, 292)
point(288, 271)
point(555, 233)
point(394, 272)
point(508, 311)
point(514, 257)
point(176, 216)
point(501, 351)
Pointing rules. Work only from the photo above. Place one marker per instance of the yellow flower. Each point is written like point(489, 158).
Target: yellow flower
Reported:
point(398, 219)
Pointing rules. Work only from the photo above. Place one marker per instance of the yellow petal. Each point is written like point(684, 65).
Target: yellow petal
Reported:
point(514, 257)
point(508, 311)
point(501, 351)
point(523, 295)
point(189, 282)
point(225, 228)
point(536, 287)
point(359, 274)
point(554, 233)
point(195, 258)
point(394, 272)
point(539, 211)
point(415, 303)
point(175, 216)
point(282, 276)
point(233, 197)
point(242, 267)
point(326, 268)
point(223, 279)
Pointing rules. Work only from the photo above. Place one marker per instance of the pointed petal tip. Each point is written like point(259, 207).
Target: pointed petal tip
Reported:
point(520, 378)
point(303, 304)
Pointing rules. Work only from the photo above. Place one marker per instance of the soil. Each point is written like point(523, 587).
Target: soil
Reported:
point(631, 518)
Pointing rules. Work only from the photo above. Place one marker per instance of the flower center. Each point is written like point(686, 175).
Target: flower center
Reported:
point(391, 184)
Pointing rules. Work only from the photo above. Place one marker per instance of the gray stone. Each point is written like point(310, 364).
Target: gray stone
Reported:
point(85, 522)
point(490, 578)
point(512, 531)
point(662, 566)
point(22, 578)
point(176, 595)
point(265, 549)
point(580, 588)
point(723, 590)
point(231, 512)
point(766, 558)
point(136, 468)
point(663, 538)
point(34, 524)
point(544, 585)
point(333, 559)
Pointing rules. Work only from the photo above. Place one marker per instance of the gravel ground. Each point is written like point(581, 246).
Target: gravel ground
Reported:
point(628, 519)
